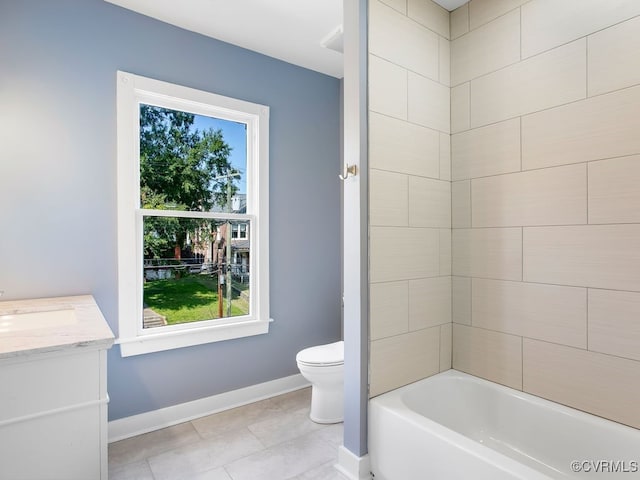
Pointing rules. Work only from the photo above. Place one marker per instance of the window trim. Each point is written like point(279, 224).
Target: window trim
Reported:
point(131, 91)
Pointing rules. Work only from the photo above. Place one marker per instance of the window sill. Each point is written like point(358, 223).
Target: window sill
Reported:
point(157, 342)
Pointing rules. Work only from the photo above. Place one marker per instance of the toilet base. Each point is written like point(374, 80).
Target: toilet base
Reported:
point(327, 404)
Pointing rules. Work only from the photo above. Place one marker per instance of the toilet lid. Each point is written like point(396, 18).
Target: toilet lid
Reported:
point(330, 354)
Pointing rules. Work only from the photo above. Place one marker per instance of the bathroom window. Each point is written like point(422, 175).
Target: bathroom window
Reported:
point(192, 216)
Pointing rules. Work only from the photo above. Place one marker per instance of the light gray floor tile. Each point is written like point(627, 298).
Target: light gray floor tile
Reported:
point(331, 433)
point(298, 448)
point(132, 471)
point(294, 400)
point(215, 474)
point(143, 446)
point(326, 471)
point(208, 454)
point(286, 426)
point(234, 419)
point(283, 461)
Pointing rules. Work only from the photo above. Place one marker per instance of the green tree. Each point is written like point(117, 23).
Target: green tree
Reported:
point(181, 168)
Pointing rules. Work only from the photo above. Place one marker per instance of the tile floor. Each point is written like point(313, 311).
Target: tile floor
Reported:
point(272, 440)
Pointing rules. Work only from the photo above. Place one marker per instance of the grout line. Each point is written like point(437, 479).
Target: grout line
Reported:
point(471, 301)
point(404, 67)
point(409, 209)
point(504, 227)
point(385, 170)
point(469, 106)
point(522, 337)
point(146, 460)
point(499, 16)
point(440, 348)
point(440, 143)
point(409, 332)
point(544, 51)
point(611, 92)
point(522, 363)
point(224, 467)
point(451, 351)
point(413, 20)
point(439, 63)
point(470, 204)
point(522, 254)
point(520, 8)
point(587, 310)
point(409, 228)
point(530, 282)
point(587, 192)
point(499, 174)
point(406, 72)
point(386, 115)
point(594, 352)
point(586, 73)
point(516, 172)
point(521, 149)
point(452, 302)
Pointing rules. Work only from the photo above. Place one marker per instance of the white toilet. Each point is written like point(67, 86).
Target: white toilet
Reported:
point(323, 366)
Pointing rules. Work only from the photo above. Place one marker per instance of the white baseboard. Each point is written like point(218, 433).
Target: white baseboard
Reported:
point(352, 466)
point(166, 417)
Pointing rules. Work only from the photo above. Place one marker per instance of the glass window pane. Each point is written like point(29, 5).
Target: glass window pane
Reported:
point(191, 162)
point(194, 270)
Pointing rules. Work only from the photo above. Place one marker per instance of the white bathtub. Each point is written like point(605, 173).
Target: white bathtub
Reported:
point(456, 426)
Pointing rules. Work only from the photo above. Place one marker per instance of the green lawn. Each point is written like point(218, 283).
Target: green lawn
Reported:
point(191, 298)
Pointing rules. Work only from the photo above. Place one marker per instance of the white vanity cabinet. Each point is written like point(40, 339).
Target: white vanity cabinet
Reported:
point(53, 391)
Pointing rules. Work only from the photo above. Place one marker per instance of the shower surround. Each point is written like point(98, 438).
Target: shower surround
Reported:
point(544, 209)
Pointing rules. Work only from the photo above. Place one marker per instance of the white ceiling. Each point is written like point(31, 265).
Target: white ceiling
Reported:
point(290, 30)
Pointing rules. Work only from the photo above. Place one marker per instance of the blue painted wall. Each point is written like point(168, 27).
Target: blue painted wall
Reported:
point(58, 63)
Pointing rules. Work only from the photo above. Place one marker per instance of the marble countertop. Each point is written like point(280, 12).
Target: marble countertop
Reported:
point(84, 328)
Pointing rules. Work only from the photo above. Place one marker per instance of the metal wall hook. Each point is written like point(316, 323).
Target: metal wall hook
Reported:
point(349, 170)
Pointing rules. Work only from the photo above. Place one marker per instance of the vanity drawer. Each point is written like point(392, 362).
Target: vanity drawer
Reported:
point(47, 383)
point(64, 446)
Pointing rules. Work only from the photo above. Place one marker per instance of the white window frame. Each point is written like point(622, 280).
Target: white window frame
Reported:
point(132, 90)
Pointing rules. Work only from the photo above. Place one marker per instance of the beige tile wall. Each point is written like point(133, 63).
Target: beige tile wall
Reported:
point(486, 151)
point(483, 11)
point(431, 15)
point(617, 334)
point(605, 385)
point(546, 312)
point(614, 195)
point(403, 359)
point(609, 51)
point(398, 253)
point(599, 256)
point(504, 151)
point(534, 84)
point(416, 49)
point(460, 108)
point(459, 21)
point(492, 355)
point(546, 24)
point(486, 49)
point(545, 202)
point(409, 192)
point(600, 127)
point(550, 196)
point(487, 253)
point(415, 150)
